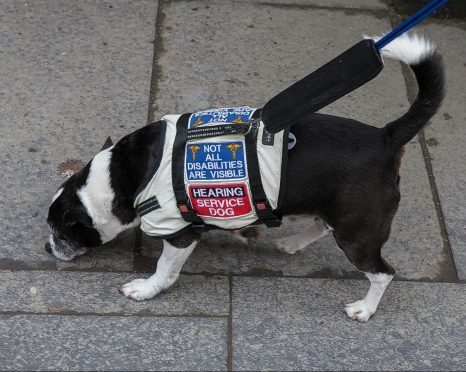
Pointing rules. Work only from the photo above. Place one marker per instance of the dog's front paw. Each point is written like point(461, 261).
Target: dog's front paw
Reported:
point(359, 310)
point(139, 289)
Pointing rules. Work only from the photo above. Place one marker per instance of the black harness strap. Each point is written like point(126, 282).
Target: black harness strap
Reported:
point(218, 130)
point(178, 155)
point(263, 209)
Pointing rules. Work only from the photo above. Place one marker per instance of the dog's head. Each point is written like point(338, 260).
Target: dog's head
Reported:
point(81, 214)
point(72, 229)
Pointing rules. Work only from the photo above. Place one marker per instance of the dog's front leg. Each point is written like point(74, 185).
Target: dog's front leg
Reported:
point(168, 269)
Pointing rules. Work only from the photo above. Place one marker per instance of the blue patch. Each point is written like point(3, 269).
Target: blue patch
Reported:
point(235, 115)
point(223, 160)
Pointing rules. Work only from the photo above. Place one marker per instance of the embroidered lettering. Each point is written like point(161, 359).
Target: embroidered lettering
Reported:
point(236, 115)
point(220, 201)
point(215, 161)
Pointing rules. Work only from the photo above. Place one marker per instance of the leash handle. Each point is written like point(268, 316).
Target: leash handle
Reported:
point(410, 22)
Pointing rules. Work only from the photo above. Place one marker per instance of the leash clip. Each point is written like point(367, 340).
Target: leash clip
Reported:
point(253, 125)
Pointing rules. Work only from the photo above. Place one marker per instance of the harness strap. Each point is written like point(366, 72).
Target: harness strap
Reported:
point(220, 130)
point(179, 190)
point(261, 204)
point(263, 209)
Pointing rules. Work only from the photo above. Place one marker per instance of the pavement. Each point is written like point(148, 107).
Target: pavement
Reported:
point(74, 72)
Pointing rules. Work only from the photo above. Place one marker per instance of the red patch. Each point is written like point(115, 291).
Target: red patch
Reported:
point(220, 201)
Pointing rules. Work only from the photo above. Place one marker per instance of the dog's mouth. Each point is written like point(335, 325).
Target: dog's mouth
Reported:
point(63, 250)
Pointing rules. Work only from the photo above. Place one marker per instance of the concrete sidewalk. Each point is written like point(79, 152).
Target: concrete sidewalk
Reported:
point(74, 72)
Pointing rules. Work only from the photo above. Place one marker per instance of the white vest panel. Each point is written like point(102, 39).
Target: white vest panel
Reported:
point(216, 180)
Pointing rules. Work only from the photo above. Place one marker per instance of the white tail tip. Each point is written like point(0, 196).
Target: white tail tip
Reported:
point(407, 48)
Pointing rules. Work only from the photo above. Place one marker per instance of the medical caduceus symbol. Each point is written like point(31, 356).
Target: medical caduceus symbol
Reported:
point(194, 149)
point(233, 147)
point(238, 120)
point(198, 122)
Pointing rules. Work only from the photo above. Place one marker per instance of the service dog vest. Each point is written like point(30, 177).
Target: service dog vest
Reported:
point(219, 168)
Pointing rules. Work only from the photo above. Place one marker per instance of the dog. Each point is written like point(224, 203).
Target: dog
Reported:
point(343, 172)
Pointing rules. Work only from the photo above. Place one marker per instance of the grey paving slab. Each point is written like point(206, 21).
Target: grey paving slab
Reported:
point(354, 4)
point(117, 255)
point(299, 324)
point(43, 342)
point(271, 48)
point(72, 73)
point(89, 293)
point(446, 137)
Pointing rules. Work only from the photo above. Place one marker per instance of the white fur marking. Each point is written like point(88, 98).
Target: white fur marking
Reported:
point(57, 194)
point(97, 197)
point(295, 243)
point(363, 309)
point(168, 270)
point(58, 254)
point(407, 48)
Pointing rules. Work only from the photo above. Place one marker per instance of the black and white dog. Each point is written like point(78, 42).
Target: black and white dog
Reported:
point(341, 171)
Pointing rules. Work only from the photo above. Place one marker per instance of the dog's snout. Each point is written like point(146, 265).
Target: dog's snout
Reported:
point(48, 247)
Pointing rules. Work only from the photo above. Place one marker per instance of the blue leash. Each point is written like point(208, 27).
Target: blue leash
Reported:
point(410, 22)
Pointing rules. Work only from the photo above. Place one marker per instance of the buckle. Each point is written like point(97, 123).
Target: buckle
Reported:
point(189, 215)
point(183, 208)
point(261, 206)
point(253, 125)
point(266, 215)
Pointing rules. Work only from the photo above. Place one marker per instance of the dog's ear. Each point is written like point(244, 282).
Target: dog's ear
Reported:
point(77, 215)
point(108, 143)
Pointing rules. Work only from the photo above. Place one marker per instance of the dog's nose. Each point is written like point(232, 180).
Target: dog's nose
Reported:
point(48, 248)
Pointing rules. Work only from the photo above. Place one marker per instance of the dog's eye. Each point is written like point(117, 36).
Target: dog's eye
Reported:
point(74, 224)
point(77, 225)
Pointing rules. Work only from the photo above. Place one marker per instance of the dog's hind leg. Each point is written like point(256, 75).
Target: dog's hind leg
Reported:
point(363, 309)
point(365, 255)
point(295, 243)
point(168, 270)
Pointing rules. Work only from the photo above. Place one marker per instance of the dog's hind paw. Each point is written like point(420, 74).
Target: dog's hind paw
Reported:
point(359, 311)
point(287, 245)
point(139, 290)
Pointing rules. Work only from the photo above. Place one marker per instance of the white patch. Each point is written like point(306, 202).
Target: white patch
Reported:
point(33, 290)
point(407, 48)
point(59, 253)
point(97, 197)
point(295, 243)
point(168, 270)
point(57, 194)
point(363, 309)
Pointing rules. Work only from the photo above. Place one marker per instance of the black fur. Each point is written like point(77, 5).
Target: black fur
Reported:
point(133, 158)
point(107, 144)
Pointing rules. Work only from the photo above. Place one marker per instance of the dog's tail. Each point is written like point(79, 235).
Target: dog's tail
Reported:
point(419, 53)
